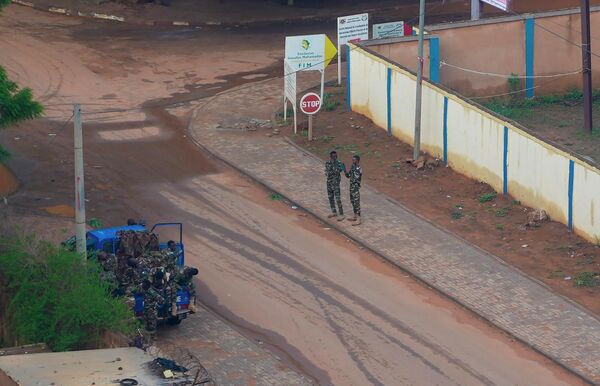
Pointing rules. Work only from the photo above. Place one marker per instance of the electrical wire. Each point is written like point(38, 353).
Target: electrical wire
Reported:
point(506, 76)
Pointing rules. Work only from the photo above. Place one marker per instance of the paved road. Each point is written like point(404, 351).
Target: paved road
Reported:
point(287, 282)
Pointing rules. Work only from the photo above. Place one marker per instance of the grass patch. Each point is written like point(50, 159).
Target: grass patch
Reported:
point(556, 275)
point(587, 279)
point(397, 165)
point(487, 197)
point(456, 214)
point(329, 102)
point(275, 197)
point(95, 222)
point(502, 212)
point(500, 227)
point(326, 138)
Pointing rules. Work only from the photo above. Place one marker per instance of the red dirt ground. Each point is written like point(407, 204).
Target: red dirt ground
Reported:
point(8, 181)
point(549, 253)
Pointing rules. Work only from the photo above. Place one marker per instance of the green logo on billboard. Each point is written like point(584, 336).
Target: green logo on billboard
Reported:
point(305, 44)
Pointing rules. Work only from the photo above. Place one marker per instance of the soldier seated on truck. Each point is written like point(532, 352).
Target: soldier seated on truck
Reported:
point(184, 280)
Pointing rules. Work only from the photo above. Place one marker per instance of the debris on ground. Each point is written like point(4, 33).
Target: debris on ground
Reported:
point(254, 124)
point(536, 217)
point(424, 162)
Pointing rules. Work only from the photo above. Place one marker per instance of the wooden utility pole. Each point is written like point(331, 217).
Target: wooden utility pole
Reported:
point(586, 51)
point(79, 186)
point(417, 139)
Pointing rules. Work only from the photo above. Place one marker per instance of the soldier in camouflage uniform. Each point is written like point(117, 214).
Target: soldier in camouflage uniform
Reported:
point(108, 263)
point(152, 300)
point(333, 170)
point(183, 280)
point(355, 176)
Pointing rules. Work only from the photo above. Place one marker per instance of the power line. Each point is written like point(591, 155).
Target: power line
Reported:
point(507, 76)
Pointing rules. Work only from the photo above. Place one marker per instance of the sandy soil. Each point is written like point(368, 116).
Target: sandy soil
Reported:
point(549, 253)
point(326, 306)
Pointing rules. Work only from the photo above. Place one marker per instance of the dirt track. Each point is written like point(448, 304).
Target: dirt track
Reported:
point(333, 310)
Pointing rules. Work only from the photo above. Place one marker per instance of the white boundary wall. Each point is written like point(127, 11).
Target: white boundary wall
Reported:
point(478, 143)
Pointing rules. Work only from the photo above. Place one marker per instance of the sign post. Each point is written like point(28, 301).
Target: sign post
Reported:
point(351, 29)
point(310, 104)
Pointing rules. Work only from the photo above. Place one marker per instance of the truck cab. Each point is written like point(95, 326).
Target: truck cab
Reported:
point(107, 240)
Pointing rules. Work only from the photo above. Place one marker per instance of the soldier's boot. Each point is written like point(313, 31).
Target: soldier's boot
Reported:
point(341, 217)
point(332, 215)
point(192, 306)
point(353, 218)
point(358, 221)
point(174, 309)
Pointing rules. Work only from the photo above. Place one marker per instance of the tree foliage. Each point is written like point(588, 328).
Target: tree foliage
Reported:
point(4, 3)
point(16, 104)
point(57, 298)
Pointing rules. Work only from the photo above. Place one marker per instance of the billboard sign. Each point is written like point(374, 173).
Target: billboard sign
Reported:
point(388, 30)
point(309, 52)
point(352, 28)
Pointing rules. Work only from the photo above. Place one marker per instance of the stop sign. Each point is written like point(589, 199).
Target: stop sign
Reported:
point(310, 103)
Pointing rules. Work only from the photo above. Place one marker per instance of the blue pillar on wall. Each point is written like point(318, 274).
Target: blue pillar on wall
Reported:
point(445, 150)
point(571, 180)
point(434, 59)
point(348, 104)
point(529, 56)
point(389, 101)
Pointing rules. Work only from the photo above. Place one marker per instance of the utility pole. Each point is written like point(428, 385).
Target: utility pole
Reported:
point(417, 144)
point(79, 186)
point(586, 50)
point(475, 9)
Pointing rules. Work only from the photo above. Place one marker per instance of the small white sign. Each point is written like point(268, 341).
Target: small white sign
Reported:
point(388, 30)
point(305, 52)
point(502, 4)
point(289, 84)
point(352, 28)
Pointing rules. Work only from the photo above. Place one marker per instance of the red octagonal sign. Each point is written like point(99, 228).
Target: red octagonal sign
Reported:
point(310, 103)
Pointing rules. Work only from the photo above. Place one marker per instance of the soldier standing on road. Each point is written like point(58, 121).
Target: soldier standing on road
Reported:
point(355, 176)
point(333, 170)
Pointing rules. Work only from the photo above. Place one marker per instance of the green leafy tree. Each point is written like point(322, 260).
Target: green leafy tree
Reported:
point(16, 104)
point(57, 298)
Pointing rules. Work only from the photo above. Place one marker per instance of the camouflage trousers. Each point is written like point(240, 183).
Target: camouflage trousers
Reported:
point(333, 193)
point(151, 316)
point(355, 199)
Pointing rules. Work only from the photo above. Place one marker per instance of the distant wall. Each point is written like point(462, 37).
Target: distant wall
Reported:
point(501, 46)
point(476, 142)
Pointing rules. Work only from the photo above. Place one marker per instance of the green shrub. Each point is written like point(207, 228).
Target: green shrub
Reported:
point(57, 298)
point(487, 197)
point(4, 3)
point(329, 103)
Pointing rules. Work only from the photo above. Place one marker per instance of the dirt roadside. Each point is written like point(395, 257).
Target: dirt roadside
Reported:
point(548, 253)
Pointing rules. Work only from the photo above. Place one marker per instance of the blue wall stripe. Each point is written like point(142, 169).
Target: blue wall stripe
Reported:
point(434, 59)
point(348, 104)
point(571, 177)
point(529, 56)
point(446, 130)
point(389, 101)
point(505, 163)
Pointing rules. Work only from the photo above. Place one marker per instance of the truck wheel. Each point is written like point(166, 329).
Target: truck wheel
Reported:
point(173, 321)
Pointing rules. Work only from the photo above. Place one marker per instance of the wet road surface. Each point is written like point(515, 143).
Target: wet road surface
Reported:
point(331, 309)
